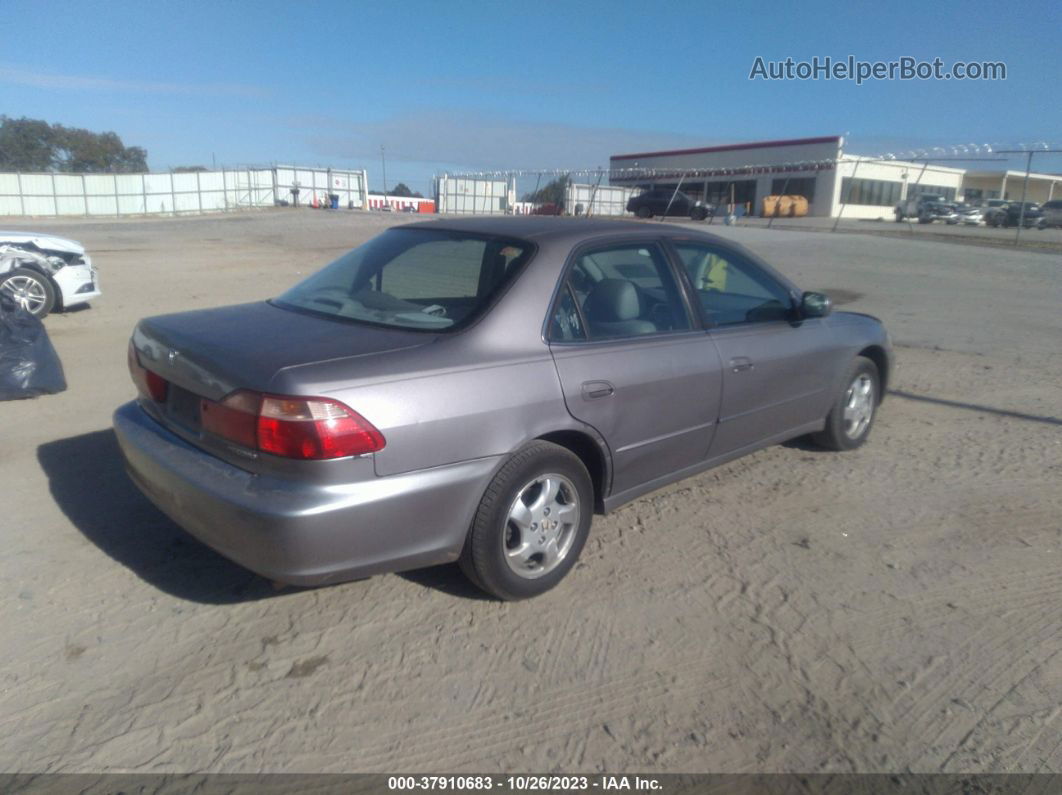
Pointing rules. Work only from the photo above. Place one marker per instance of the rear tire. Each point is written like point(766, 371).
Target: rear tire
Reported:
point(643, 212)
point(531, 524)
point(29, 289)
point(850, 419)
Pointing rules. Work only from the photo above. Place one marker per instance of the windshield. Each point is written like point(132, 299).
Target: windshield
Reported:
point(427, 279)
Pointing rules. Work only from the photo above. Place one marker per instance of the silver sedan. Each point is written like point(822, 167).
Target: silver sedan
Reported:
point(476, 390)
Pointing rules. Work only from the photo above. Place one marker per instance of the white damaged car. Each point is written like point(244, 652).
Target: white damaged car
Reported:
point(43, 273)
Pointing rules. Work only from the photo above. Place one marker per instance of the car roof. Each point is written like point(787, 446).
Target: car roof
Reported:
point(538, 228)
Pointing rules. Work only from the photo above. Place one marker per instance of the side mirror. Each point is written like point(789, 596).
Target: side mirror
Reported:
point(815, 305)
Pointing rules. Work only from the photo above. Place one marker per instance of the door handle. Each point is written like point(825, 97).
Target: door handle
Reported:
point(592, 390)
point(739, 363)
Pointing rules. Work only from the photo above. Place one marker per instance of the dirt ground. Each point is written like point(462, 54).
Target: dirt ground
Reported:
point(896, 608)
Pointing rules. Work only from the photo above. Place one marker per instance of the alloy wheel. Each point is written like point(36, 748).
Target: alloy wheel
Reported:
point(541, 525)
point(858, 406)
point(26, 291)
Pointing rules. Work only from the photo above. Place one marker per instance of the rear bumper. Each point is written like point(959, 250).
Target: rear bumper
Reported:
point(298, 532)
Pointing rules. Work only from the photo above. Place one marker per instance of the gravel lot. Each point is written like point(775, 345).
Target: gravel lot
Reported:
point(896, 608)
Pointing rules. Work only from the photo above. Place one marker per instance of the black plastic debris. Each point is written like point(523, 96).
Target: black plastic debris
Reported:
point(29, 365)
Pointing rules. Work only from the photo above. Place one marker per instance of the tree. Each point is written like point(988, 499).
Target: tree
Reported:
point(402, 191)
point(26, 145)
point(35, 145)
point(554, 192)
point(188, 169)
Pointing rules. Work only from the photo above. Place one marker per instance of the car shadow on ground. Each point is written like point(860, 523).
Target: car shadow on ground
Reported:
point(447, 578)
point(87, 478)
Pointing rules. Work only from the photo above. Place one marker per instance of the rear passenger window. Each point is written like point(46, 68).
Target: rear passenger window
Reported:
point(566, 325)
point(624, 291)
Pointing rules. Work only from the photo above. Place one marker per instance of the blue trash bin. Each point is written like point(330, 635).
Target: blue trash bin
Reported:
point(335, 201)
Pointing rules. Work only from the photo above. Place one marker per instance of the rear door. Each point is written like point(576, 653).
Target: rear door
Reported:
point(632, 361)
point(776, 371)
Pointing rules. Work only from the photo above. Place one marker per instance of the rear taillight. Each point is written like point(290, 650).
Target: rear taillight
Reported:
point(150, 385)
point(291, 427)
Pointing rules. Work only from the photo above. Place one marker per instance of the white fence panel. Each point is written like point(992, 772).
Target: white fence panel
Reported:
point(471, 196)
point(193, 192)
point(606, 199)
point(69, 194)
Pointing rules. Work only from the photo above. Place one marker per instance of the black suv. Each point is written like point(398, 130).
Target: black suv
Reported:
point(655, 202)
point(1011, 215)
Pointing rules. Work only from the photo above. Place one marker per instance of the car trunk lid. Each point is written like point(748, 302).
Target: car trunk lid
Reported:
point(213, 352)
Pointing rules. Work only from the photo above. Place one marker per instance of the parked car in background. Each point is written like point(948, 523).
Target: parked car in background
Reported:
point(668, 203)
point(1051, 214)
point(43, 273)
point(1013, 213)
point(926, 208)
point(971, 215)
point(476, 389)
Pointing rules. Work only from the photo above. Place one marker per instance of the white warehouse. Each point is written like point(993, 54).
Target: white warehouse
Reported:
point(817, 169)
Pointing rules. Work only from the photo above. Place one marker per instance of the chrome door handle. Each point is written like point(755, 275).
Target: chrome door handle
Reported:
point(739, 363)
point(592, 390)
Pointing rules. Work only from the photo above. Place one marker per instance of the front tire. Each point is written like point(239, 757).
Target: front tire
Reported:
point(531, 524)
point(29, 289)
point(852, 415)
point(643, 212)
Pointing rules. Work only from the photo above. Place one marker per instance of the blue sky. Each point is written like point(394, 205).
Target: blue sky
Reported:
point(477, 85)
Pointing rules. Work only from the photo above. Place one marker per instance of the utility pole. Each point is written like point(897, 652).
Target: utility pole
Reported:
point(383, 162)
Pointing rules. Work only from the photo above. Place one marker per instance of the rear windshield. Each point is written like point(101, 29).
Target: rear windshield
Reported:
point(426, 279)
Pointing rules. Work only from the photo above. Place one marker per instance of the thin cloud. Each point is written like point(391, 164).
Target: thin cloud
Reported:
point(25, 77)
point(476, 140)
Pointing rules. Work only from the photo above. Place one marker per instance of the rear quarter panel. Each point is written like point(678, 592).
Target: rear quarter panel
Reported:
point(434, 407)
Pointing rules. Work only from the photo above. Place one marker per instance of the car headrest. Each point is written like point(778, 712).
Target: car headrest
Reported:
point(613, 300)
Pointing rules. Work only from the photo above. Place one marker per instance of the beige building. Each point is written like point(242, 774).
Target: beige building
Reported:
point(979, 186)
point(834, 182)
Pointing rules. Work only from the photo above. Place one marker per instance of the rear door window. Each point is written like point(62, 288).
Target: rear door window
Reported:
point(625, 290)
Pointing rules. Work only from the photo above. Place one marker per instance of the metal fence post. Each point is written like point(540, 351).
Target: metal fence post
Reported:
point(906, 217)
point(847, 194)
point(778, 204)
point(1024, 191)
point(673, 195)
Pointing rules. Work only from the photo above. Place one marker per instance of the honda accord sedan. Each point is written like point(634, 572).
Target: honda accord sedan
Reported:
point(475, 390)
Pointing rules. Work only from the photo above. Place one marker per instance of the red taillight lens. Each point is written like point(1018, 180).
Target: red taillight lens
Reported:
point(148, 384)
point(291, 427)
point(314, 428)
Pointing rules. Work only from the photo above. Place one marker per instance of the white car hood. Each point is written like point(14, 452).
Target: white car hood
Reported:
point(43, 242)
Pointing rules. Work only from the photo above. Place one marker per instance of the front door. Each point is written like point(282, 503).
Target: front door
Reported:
point(632, 363)
point(776, 372)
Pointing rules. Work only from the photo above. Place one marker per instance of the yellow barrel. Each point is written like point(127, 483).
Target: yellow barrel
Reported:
point(785, 206)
